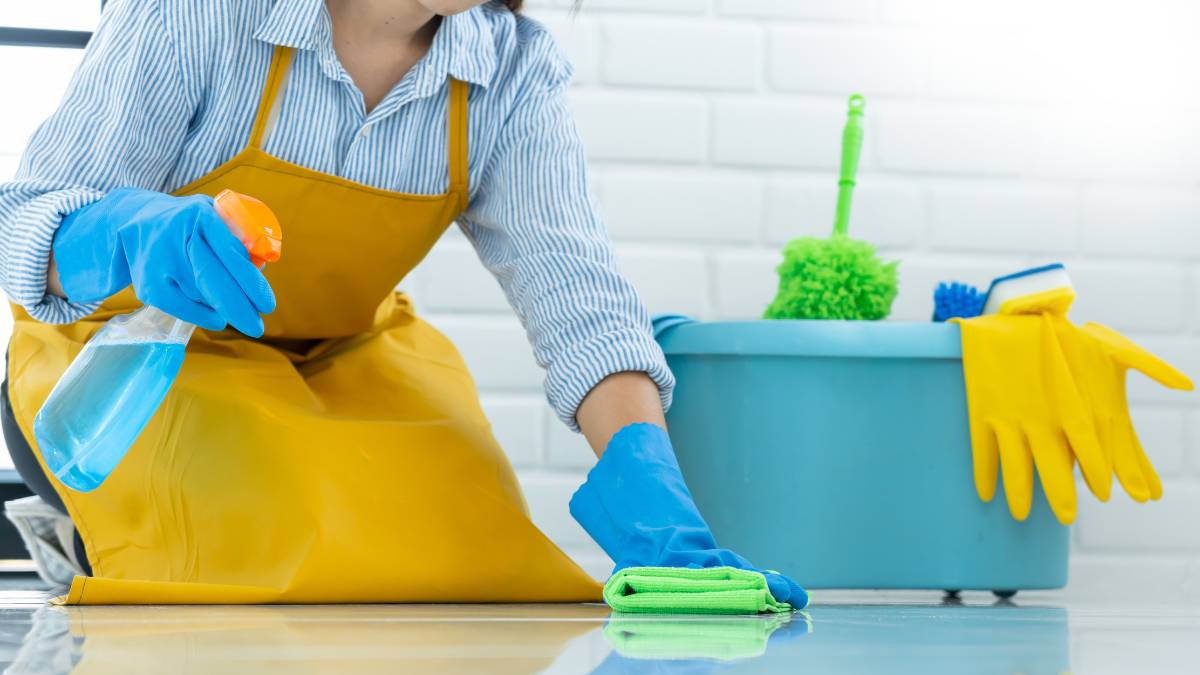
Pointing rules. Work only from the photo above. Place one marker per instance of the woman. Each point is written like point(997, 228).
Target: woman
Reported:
point(334, 451)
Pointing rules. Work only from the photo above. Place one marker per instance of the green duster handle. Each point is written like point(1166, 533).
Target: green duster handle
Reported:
point(852, 138)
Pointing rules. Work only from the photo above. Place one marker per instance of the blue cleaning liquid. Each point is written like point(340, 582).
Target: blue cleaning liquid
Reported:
point(101, 405)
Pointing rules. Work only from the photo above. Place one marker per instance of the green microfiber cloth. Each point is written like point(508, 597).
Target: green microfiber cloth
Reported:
point(682, 590)
point(714, 639)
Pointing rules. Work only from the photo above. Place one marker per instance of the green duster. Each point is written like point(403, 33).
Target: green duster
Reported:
point(839, 277)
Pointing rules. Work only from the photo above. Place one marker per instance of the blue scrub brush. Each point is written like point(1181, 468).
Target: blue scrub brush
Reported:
point(957, 301)
point(1045, 288)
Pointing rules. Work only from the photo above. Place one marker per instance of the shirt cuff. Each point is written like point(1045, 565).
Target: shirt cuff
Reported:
point(576, 371)
point(29, 255)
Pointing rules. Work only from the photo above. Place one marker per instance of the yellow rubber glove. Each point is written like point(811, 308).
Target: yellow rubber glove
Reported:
point(1025, 411)
point(1100, 359)
point(1055, 303)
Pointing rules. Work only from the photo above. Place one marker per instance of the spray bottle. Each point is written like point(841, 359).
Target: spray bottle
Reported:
point(114, 386)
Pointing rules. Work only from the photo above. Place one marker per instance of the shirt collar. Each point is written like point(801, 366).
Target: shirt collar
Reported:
point(467, 39)
point(292, 23)
point(462, 48)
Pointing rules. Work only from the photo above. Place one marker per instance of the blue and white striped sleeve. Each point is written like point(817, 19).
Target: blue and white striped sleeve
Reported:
point(121, 123)
point(535, 226)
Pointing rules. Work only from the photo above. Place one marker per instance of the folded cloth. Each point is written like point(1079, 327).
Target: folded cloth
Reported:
point(683, 590)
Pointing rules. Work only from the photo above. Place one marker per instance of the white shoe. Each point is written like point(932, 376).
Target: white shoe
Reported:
point(50, 538)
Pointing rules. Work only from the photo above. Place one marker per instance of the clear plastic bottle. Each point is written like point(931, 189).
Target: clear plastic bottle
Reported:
point(114, 386)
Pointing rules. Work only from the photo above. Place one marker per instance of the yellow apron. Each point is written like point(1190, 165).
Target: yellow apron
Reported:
point(344, 458)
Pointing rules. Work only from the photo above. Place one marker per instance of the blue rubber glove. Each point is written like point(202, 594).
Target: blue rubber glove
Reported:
point(176, 251)
point(638, 509)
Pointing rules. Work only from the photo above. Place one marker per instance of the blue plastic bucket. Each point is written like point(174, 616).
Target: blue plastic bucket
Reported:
point(839, 453)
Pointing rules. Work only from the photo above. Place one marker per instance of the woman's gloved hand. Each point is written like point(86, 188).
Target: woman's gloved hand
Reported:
point(176, 251)
point(638, 509)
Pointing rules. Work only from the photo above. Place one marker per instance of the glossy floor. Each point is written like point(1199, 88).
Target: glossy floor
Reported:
point(854, 633)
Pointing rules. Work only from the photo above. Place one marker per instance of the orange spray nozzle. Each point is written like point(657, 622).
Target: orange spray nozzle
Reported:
point(253, 223)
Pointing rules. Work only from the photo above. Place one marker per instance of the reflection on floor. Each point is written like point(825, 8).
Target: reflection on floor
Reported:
point(844, 632)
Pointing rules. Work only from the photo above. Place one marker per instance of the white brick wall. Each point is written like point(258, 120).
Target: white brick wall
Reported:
point(645, 126)
point(686, 206)
point(815, 10)
point(758, 132)
point(993, 142)
point(1010, 218)
point(681, 54)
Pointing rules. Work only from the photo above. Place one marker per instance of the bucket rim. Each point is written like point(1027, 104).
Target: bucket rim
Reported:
point(845, 339)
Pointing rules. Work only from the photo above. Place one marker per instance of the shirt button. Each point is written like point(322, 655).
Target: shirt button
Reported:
point(365, 132)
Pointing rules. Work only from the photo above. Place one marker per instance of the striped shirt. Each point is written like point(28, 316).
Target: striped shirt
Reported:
point(167, 91)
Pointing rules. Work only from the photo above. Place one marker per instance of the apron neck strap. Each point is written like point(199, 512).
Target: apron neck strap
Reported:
point(280, 61)
point(456, 116)
point(456, 133)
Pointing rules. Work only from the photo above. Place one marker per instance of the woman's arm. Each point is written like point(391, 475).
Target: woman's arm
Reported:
point(121, 123)
point(534, 224)
point(619, 400)
point(53, 283)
